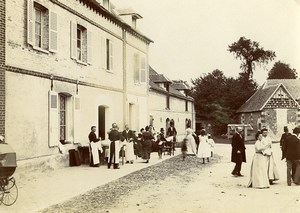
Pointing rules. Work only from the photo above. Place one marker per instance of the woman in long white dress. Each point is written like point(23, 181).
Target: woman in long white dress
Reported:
point(191, 144)
point(204, 148)
point(259, 177)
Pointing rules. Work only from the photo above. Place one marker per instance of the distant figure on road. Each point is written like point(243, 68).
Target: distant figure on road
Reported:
point(272, 169)
point(211, 143)
point(282, 140)
point(238, 154)
point(292, 154)
point(259, 168)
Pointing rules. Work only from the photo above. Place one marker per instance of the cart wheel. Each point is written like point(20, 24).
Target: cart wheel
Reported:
point(10, 192)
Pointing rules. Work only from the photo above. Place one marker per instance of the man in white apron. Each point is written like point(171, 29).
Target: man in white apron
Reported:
point(129, 149)
point(95, 147)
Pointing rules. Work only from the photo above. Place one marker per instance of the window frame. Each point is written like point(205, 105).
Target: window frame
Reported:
point(41, 23)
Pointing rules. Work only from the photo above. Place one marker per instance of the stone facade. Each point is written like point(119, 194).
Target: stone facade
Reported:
point(58, 90)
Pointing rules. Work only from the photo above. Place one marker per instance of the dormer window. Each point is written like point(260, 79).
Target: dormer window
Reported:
point(106, 4)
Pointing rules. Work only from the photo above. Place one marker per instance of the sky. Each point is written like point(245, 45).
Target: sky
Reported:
point(191, 37)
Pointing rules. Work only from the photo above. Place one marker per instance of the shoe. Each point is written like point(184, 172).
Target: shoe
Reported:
point(289, 184)
point(127, 162)
point(147, 161)
point(240, 175)
point(131, 162)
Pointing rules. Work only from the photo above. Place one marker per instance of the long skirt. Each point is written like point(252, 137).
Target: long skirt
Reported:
point(259, 177)
point(147, 149)
point(203, 150)
point(272, 169)
point(191, 145)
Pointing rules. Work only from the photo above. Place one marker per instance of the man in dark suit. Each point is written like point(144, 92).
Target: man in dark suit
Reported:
point(292, 154)
point(238, 154)
point(282, 140)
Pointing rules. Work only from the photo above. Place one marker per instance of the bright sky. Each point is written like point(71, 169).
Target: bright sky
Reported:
point(191, 37)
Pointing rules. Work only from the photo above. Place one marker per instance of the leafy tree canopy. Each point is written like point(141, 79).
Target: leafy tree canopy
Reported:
point(217, 97)
point(250, 53)
point(281, 70)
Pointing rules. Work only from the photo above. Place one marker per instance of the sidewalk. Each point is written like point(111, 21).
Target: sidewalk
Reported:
point(39, 190)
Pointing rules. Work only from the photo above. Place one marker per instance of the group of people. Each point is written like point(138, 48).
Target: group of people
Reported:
point(201, 146)
point(130, 143)
point(263, 168)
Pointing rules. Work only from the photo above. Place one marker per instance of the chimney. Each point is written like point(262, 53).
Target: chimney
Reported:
point(129, 16)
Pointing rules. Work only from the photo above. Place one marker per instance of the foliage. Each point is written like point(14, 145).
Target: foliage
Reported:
point(250, 53)
point(217, 97)
point(282, 71)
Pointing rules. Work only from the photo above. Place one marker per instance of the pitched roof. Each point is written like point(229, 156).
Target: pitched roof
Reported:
point(157, 78)
point(180, 85)
point(154, 78)
point(292, 85)
point(259, 99)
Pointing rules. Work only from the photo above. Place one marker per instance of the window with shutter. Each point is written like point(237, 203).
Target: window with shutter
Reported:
point(41, 27)
point(79, 43)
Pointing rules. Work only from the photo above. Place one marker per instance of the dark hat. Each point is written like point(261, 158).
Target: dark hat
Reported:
point(296, 130)
point(162, 129)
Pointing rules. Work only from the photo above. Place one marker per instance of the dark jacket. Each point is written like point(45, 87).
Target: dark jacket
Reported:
point(115, 135)
point(93, 137)
point(128, 135)
point(237, 144)
point(282, 142)
point(292, 147)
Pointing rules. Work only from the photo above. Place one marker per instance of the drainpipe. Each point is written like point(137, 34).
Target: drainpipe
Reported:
point(125, 107)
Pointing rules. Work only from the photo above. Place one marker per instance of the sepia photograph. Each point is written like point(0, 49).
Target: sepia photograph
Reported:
point(139, 106)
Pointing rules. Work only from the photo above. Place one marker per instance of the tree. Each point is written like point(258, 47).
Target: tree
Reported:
point(250, 53)
point(217, 98)
point(282, 71)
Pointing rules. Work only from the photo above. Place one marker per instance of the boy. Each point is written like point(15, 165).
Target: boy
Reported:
point(184, 149)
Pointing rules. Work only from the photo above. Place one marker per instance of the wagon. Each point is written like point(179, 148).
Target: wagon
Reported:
point(8, 164)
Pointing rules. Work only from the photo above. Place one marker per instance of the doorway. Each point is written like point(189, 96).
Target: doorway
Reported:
point(101, 122)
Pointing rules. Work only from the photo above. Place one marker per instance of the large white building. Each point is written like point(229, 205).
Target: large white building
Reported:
point(67, 65)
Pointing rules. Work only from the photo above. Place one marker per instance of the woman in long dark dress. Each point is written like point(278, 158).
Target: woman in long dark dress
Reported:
point(147, 138)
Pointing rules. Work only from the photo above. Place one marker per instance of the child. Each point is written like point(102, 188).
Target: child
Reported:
point(211, 143)
point(184, 148)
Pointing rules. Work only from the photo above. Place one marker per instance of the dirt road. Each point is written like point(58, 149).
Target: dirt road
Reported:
point(189, 186)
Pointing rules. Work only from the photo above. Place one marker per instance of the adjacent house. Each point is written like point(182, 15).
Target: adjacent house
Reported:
point(169, 103)
point(67, 65)
point(274, 105)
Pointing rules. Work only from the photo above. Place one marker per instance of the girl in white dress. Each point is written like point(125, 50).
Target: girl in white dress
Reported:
point(204, 148)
